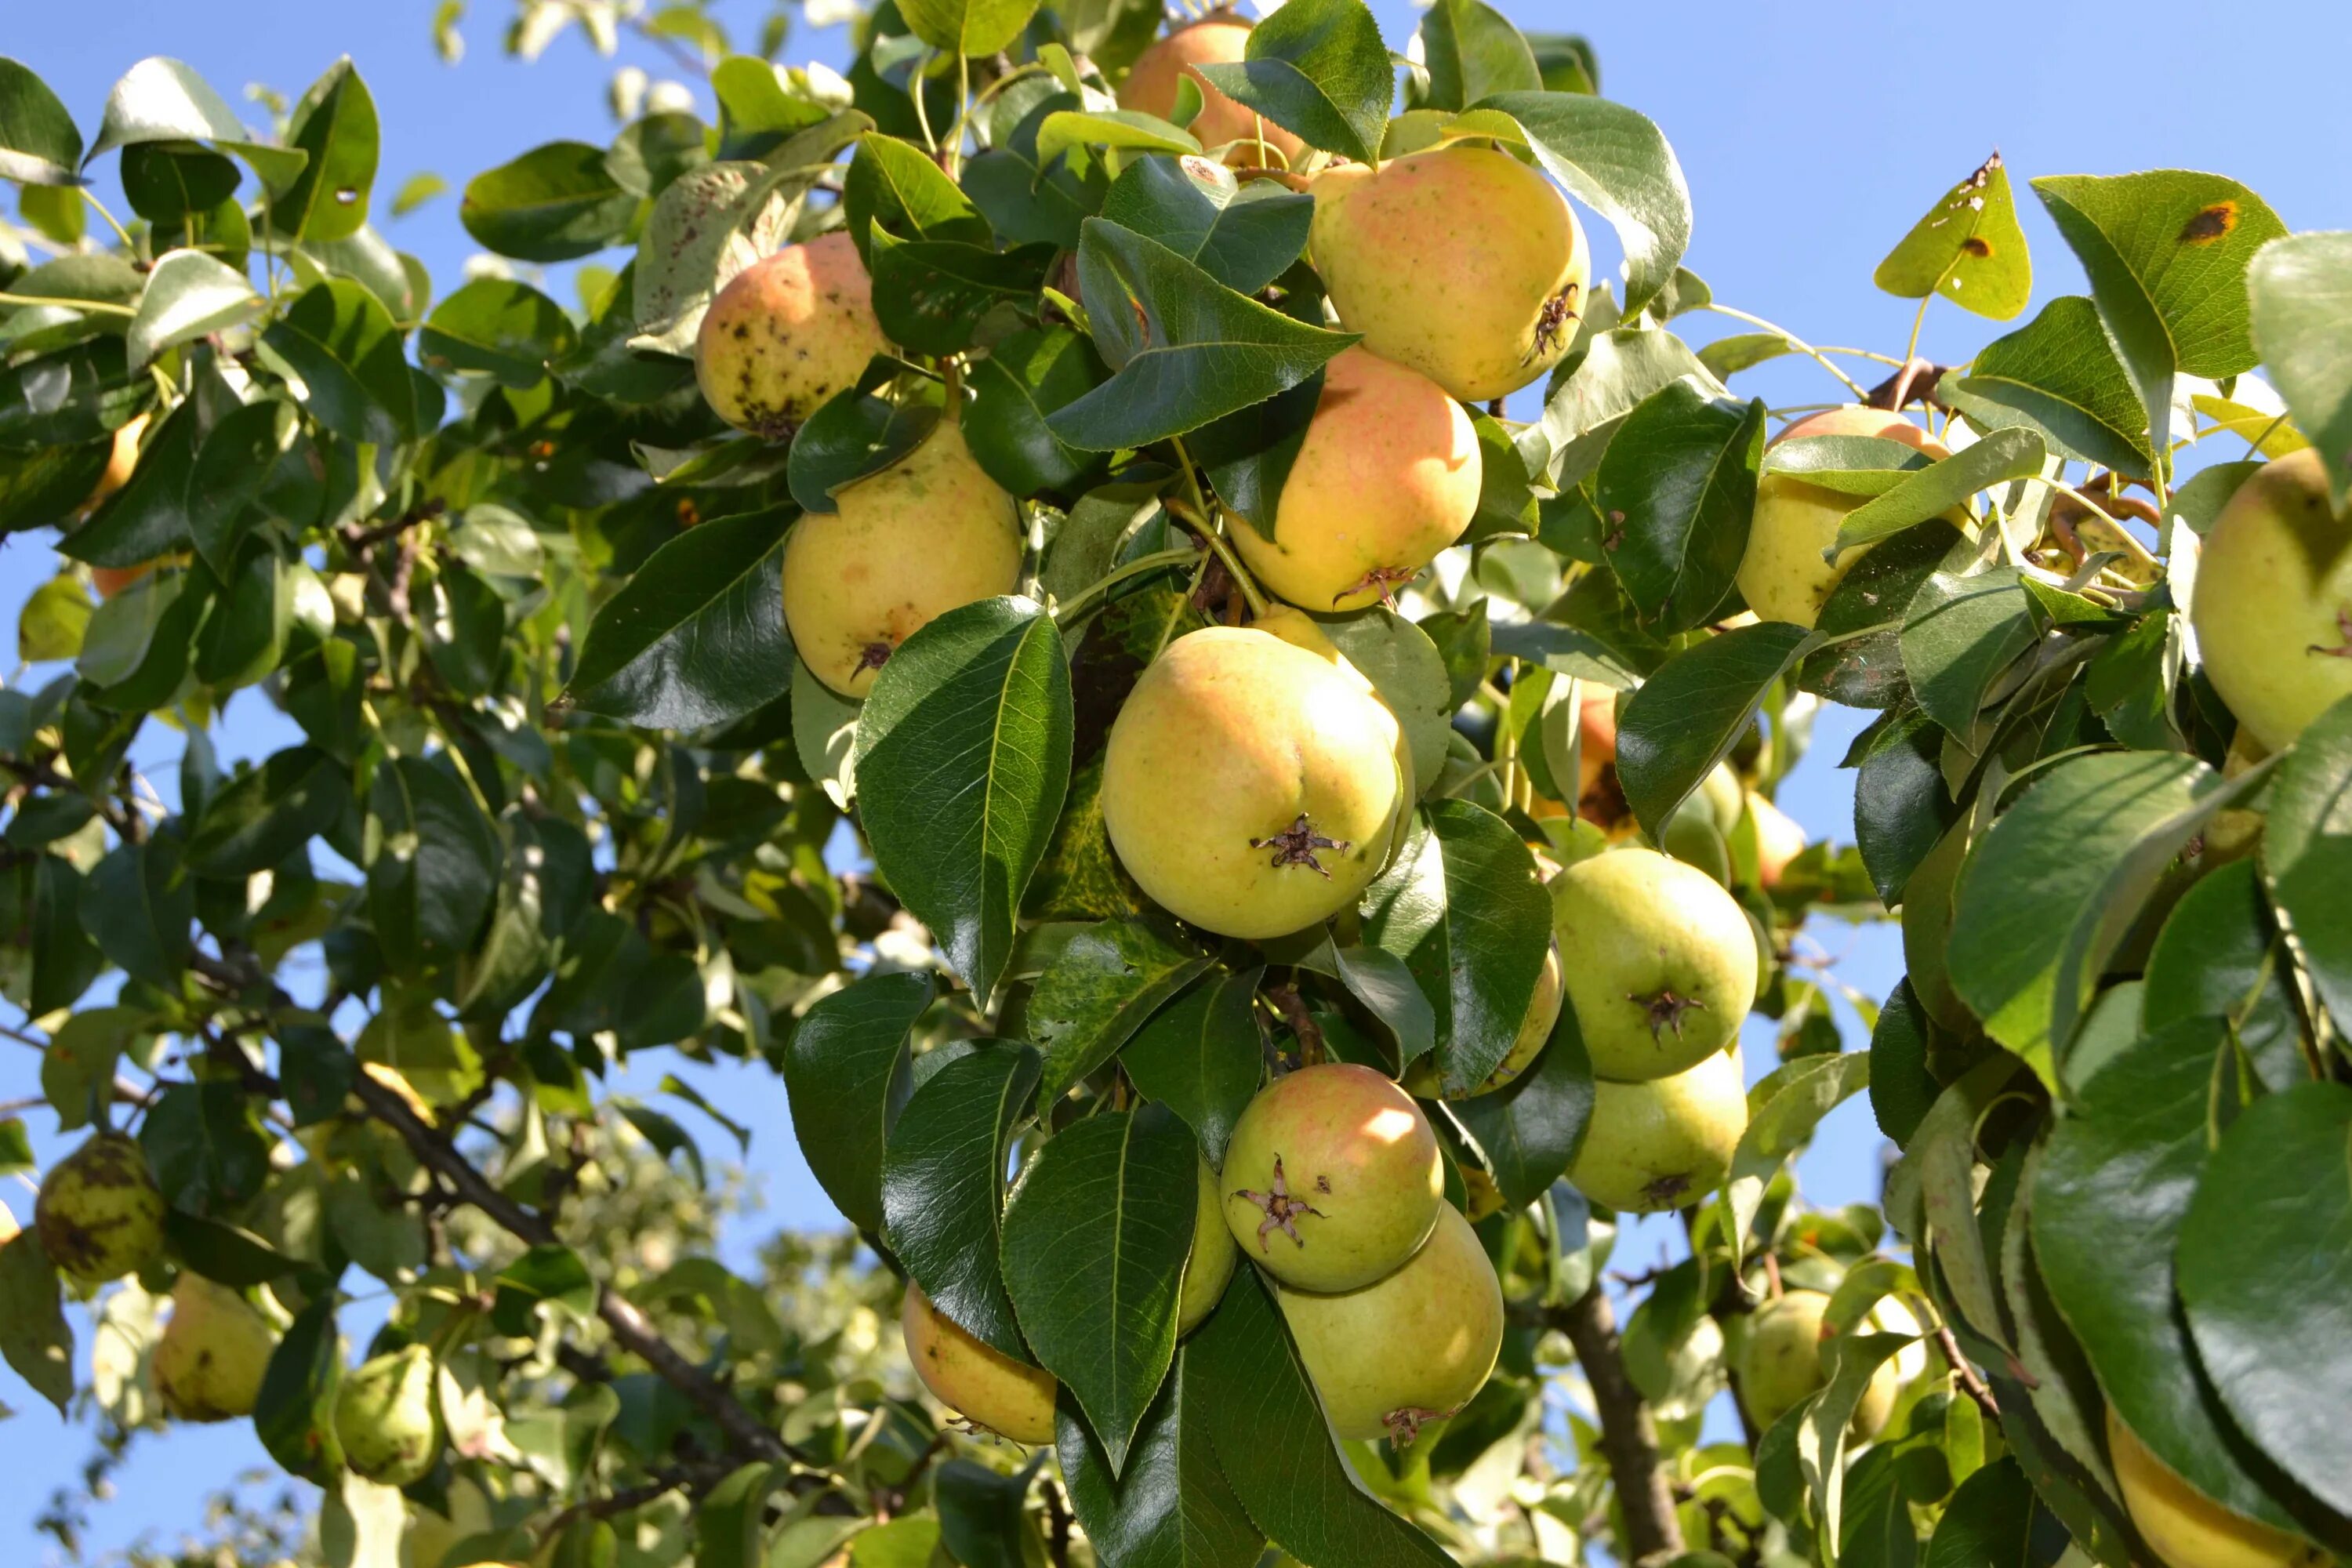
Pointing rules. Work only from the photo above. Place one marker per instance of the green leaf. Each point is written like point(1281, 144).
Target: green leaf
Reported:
point(433, 867)
point(224, 1253)
point(294, 1415)
point(1243, 236)
point(2306, 850)
point(1967, 249)
point(1471, 52)
point(2219, 956)
point(162, 99)
point(1686, 717)
point(894, 186)
point(38, 142)
point(1094, 1245)
point(1096, 991)
point(201, 1139)
point(416, 191)
point(730, 1525)
point(2272, 1312)
point(54, 618)
point(1034, 199)
point(1322, 71)
point(840, 1062)
point(1021, 382)
point(1409, 675)
point(1850, 465)
point(1615, 160)
point(496, 324)
point(1851, 1360)
point(696, 637)
point(264, 815)
point(553, 203)
point(148, 517)
point(1902, 1089)
point(1994, 1517)
point(2016, 453)
point(1620, 369)
point(1185, 349)
point(233, 471)
point(1276, 1448)
point(1530, 1130)
point(963, 756)
point(1461, 906)
point(930, 295)
point(967, 27)
point(347, 351)
point(1785, 1108)
point(943, 1185)
point(33, 1332)
point(64, 960)
point(335, 125)
point(1960, 634)
point(1864, 668)
point(1069, 133)
point(2109, 1197)
point(2301, 290)
point(2167, 252)
point(2058, 374)
point(1678, 487)
point(1169, 1506)
point(1203, 1056)
point(138, 907)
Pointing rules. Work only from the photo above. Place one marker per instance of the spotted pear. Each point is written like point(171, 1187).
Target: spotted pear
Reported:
point(100, 1215)
point(1782, 575)
point(1210, 1268)
point(213, 1351)
point(2185, 1528)
point(913, 542)
point(1332, 1177)
point(982, 1383)
point(786, 333)
point(388, 1417)
point(2273, 600)
point(1660, 961)
point(1665, 1143)
point(1386, 476)
point(1218, 38)
point(1409, 1348)
point(1250, 786)
point(1461, 262)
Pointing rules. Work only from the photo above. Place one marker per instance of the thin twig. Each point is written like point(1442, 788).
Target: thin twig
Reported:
point(1970, 1383)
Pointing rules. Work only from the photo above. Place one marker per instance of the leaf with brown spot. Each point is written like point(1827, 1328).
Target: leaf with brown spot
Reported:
point(1967, 248)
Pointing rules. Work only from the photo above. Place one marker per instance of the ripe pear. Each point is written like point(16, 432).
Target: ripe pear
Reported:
point(786, 333)
point(982, 1383)
point(929, 534)
point(1660, 962)
point(1386, 476)
point(1782, 576)
point(1218, 38)
point(1779, 839)
point(1210, 1268)
point(1663, 1143)
point(1535, 1030)
point(1249, 786)
point(213, 1351)
point(2273, 601)
point(388, 1417)
point(121, 462)
point(1411, 1347)
point(2185, 1528)
point(100, 1215)
point(1460, 261)
point(1301, 630)
point(1780, 1361)
point(1332, 1177)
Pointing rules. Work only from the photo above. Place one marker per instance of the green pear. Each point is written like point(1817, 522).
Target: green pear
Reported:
point(1332, 1177)
point(388, 1417)
point(215, 1349)
point(100, 1215)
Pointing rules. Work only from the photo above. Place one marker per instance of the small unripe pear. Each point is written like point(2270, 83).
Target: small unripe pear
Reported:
point(1411, 1347)
point(1332, 1177)
point(1386, 476)
point(1662, 1143)
point(213, 1351)
point(388, 1417)
point(1249, 786)
point(2185, 1528)
point(1210, 1268)
point(1218, 38)
point(987, 1387)
point(1660, 961)
point(1779, 1359)
point(2273, 601)
point(1460, 261)
point(785, 335)
point(1535, 1030)
point(99, 1214)
point(929, 534)
point(1782, 575)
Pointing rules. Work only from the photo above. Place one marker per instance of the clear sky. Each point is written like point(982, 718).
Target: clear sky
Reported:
point(1811, 137)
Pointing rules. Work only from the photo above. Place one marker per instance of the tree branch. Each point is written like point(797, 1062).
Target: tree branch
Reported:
point(1629, 1438)
point(1915, 382)
point(1970, 1383)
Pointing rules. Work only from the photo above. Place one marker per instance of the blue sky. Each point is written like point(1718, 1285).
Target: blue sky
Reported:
point(1811, 137)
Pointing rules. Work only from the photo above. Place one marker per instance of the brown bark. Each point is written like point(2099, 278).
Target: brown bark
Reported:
point(1629, 1438)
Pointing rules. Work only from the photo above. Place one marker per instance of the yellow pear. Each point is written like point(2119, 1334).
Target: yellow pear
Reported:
point(987, 1387)
point(1300, 630)
point(1249, 786)
point(1779, 839)
point(1386, 476)
point(1460, 261)
point(1411, 1347)
point(1663, 1143)
point(1210, 1268)
point(786, 333)
point(1332, 1177)
point(99, 1213)
point(2273, 600)
point(2185, 1528)
point(1782, 576)
point(213, 1351)
point(1660, 961)
point(925, 535)
point(1218, 38)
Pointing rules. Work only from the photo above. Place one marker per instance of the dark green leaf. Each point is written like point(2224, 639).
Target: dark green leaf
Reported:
point(1994, 1518)
point(64, 960)
point(1243, 236)
point(2219, 956)
point(496, 324)
point(1678, 488)
point(1866, 671)
point(1960, 634)
point(1967, 249)
point(266, 814)
point(1170, 1505)
point(1472, 51)
point(893, 186)
point(294, 1416)
point(224, 1253)
point(1203, 1056)
point(1320, 71)
point(1096, 991)
point(1530, 1129)
point(2015, 453)
point(138, 907)
point(730, 1524)
point(148, 517)
point(38, 142)
point(840, 1062)
point(231, 471)
point(2058, 374)
point(553, 203)
point(2301, 290)
point(2308, 854)
point(929, 295)
point(1686, 717)
point(1901, 1088)
point(335, 125)
point(434, 865)
point(943, 1186)
point(1025, 379)
point(33, 1332)
point(208, 1156)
